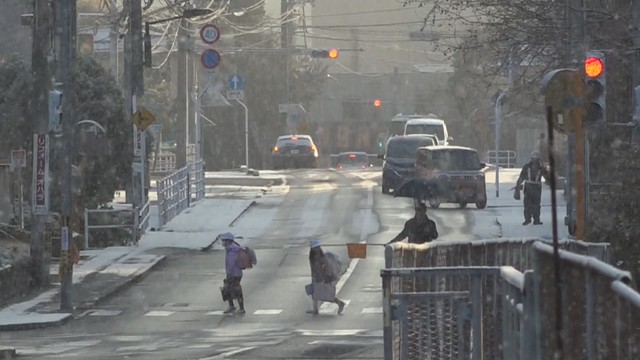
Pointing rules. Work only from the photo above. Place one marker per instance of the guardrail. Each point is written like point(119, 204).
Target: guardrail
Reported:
point(197, 180)
point(431, 302)
point(504, 158)
point(111, 219)
point(173, 194)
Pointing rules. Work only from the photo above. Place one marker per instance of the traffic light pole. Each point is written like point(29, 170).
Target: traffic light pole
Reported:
point(578, 115)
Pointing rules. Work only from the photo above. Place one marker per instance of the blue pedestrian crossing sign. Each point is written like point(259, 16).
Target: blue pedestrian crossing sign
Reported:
point(235, 82)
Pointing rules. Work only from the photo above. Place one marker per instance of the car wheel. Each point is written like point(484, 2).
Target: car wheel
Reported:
point(481, 204)
point(434, 203)
point(462, 205)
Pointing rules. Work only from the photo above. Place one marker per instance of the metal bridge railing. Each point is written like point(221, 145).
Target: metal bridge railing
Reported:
point(503, 159)
point(434, 292)
point(173, 194)
point(175, 191)
point(197, 180)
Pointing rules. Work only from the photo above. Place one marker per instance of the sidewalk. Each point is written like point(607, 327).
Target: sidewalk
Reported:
point(102, 273)
point(510, 211)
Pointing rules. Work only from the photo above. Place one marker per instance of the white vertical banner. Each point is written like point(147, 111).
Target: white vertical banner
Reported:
point(40, 186)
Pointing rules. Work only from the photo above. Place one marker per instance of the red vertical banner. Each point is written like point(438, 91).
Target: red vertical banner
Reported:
point(40, 188)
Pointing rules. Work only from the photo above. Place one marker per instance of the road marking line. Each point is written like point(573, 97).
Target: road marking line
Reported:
point(363, 236)
point(106, 313)
point(331, 308)
point(375, 310)
point(339, 332)
point(268, 312)
point(159, 313)
point(229, 353)
point(216, 312)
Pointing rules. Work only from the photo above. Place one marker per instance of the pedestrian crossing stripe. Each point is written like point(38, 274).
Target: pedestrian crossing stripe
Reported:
point(268, 312)
point(159, 313)
point(375, 310)
point(332, 308)
point(216, 312)
point(104, 312)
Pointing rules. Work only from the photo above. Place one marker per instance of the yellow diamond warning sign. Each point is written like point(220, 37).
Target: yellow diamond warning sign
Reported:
point(143, 118)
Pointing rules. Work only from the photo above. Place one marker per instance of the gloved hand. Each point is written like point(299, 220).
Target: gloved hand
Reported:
point(516, 194)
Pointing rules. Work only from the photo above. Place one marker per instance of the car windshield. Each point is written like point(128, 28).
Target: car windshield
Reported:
point(456, 160)
point(352, 159)
point(397, 127)
point(406, 148)
point(433, 129)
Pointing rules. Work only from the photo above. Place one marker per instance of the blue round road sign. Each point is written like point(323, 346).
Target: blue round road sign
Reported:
point(210, 59)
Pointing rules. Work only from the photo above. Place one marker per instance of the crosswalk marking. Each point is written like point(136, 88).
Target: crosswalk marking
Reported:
point(268, 312)
point(216, 312)
point(104, 312)
point(332, 308)
point(159, 313)
point(374, 310)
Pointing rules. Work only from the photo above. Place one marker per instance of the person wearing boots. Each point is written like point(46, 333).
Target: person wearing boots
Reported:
point(234, 273)
point(531, 176)
point(321, 274)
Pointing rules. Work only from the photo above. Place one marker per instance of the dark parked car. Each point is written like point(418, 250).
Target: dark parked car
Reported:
point(400, 158)
point(294, 151)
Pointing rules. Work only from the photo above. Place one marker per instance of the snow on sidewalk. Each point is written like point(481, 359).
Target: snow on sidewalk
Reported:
point(194, 228)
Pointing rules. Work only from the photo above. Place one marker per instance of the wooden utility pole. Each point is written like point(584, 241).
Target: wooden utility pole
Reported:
point(40, 107)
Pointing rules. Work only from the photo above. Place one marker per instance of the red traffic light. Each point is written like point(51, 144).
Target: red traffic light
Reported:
point(377, 103)
point(334, 53)
point(593, 67)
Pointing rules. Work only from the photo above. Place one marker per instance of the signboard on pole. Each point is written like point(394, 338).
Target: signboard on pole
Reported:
point(143, 118)
point(209, 34)
point(210, 59)
point(40, 197)
point(235, 87)
point(18, 159)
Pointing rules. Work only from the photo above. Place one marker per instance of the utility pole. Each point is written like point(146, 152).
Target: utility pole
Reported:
point(134, 87)
point(66, 23)
point(182, 95)
point(41, 48)
point(284, 42)
point(113, 38)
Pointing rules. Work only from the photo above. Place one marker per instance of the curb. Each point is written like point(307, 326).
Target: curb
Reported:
point(85, 306)
point(252, 204)
point(7, 353)
point(244, 181)
point(36, 325)
point(136, 277)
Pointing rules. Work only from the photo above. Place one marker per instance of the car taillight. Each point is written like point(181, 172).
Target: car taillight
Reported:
point(313, 148)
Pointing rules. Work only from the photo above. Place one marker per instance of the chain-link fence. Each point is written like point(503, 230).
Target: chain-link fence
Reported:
point(434, 295)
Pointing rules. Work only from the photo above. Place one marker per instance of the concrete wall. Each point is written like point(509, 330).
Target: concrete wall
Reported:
point(15, 280)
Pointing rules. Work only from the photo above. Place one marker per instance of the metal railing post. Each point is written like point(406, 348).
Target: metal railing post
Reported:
point(86, 228)
point(387, 317)
point(477, 317)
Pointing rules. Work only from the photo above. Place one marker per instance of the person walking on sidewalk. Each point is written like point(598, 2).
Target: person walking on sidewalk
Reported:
point(419, 229)
point(531, 175)
point(234, 273)
point(323, 279)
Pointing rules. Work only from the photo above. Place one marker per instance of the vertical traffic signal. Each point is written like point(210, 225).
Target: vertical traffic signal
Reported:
point(596, 78)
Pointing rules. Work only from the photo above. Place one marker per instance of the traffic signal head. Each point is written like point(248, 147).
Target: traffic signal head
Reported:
point(377, 103)
point(596, 95)
point(325, 54)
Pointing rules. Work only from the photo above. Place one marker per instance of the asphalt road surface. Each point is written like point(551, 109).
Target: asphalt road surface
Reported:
point(176, 311)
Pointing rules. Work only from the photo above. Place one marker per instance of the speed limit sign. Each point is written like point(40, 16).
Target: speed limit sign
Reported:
point(209, 34)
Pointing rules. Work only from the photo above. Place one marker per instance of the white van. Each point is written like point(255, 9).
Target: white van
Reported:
point(435, 127)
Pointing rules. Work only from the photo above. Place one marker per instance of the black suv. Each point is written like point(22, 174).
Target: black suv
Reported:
point(293, 151)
